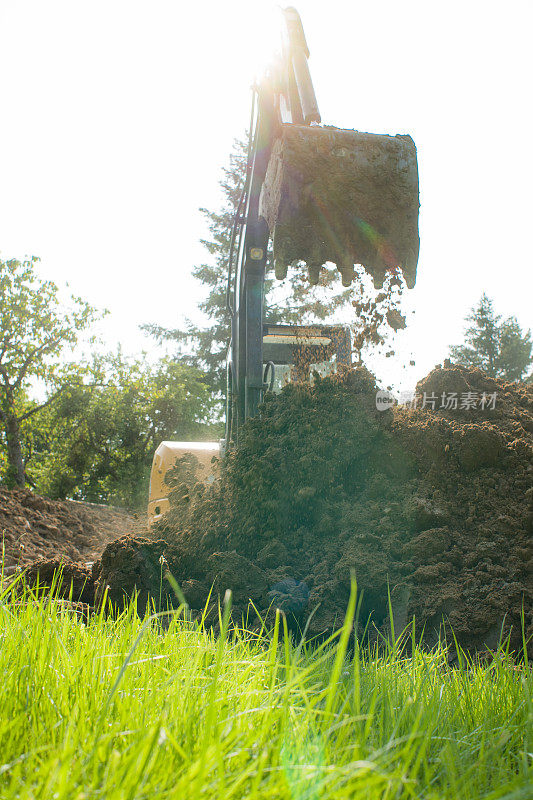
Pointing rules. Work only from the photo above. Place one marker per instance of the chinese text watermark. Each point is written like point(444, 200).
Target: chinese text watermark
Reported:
point(444, 401)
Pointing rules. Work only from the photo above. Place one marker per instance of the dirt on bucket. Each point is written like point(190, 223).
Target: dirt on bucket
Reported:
point(431, 505)
point(342, 196)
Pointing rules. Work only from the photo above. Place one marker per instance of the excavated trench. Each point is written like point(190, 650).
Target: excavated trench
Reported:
point(433, 505)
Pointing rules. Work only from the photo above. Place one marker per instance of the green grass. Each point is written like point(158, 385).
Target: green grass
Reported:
point(117, 709)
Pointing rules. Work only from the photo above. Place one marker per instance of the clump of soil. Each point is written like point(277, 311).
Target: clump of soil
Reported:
point(72, 581)
point(34, 527)
point(433, 505)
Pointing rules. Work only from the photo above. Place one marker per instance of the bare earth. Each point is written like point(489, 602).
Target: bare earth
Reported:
point(34, 527)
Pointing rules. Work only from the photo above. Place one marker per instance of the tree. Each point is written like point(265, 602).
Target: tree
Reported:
point(515, 350)
point(35, 330)
point(98, 439)
point(295, 302)
point(500, 348)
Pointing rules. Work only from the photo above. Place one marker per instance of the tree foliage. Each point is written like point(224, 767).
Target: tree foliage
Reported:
point(35, 330)
point(499, 347)
point(99, 438)
point(93, 432)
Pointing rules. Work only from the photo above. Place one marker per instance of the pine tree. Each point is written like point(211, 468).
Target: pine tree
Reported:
point(514, 355)
point(499, 348)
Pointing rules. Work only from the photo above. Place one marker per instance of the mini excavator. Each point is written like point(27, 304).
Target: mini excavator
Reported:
point(321, 194)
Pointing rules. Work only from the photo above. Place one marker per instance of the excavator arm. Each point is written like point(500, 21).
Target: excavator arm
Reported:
point(321, 194)
point(285, 95)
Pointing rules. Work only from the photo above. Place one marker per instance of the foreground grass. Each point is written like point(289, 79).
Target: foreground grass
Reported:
point(116, 709)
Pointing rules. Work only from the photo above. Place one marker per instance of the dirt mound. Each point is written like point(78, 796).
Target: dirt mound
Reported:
point(70, 580)
point(433, 504)
point(33, 527)
point(476, 461)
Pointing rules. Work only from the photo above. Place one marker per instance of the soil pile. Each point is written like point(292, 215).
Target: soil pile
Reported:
point(33, 527)
point(71, 581)
point(434, 504)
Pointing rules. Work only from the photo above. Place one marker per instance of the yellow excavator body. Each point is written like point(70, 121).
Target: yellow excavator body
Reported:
point(204, 455)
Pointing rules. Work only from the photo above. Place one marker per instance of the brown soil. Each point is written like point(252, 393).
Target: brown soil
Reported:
point(33, 527)
point(71, 581)
point(434, 505)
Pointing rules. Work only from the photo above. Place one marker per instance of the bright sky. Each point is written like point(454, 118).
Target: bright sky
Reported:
point(118, 114)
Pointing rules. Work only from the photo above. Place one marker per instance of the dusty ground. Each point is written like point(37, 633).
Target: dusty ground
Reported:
point(45, 533)
point(436, 505)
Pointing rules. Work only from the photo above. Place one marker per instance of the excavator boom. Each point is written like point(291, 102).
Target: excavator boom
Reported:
point(321, 194)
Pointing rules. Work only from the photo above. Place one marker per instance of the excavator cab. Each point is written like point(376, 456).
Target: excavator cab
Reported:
point(294, 353)
point(290, 354)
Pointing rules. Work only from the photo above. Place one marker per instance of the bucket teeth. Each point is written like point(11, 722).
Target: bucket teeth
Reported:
point(314, 273)
point(347, 274)
point(280, 270)
point(367, 182)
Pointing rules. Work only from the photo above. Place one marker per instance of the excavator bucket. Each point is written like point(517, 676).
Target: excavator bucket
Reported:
point(345, 197)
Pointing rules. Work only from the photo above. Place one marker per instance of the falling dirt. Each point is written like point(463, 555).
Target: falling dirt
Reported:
point(376, 313)
point(433, 504)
